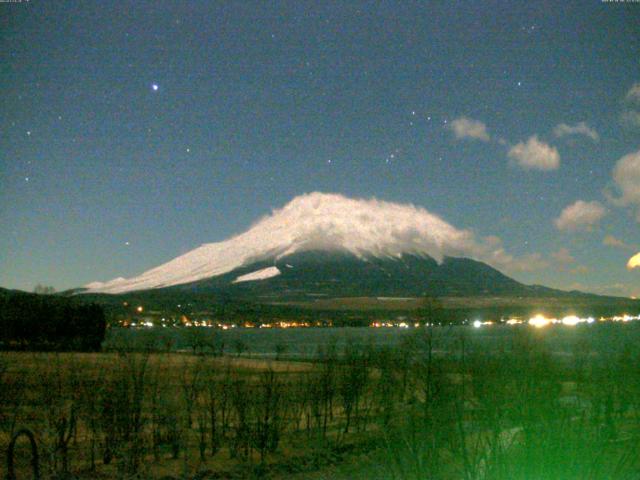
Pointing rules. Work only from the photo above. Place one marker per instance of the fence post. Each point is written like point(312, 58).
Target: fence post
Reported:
point(11, 474)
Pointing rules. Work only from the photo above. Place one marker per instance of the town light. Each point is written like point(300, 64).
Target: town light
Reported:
point(539, 321)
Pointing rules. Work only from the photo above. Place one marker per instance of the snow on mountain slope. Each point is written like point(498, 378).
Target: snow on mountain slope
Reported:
point(315, 221)
point(262, 274)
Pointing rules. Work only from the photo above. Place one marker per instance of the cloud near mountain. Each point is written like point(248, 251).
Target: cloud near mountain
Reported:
point(580, 216)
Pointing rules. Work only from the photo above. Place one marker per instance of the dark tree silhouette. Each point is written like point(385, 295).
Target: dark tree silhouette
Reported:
point(31, 321)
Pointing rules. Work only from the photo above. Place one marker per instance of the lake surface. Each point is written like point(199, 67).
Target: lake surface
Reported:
point(600, 338)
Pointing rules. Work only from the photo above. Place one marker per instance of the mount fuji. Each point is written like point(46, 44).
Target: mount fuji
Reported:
point(329, 245)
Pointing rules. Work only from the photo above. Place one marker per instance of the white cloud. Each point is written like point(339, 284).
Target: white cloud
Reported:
point(626, 175)
point(633, 95)
point(497, 256)
point(630, 118)
point(565, 262)
point(578, 286)
point(578, 129)
point(464, 127)
point(634, 262)
point(535, 154)
point(611, 241)
point(616, 289)
point(530, 262)
point(579, 270)
point(563, 256)
point(580, 216)
point(493, 241)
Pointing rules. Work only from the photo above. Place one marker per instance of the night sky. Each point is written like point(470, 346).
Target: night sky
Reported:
point(133, 132)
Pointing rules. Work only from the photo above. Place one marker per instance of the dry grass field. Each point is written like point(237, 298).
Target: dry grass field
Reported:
point(350, 412)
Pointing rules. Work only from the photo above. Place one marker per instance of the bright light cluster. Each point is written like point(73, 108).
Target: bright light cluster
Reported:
point(478, 323)
point(572, 320)
point(283, 324)
point(625, 318)
point(540, 321)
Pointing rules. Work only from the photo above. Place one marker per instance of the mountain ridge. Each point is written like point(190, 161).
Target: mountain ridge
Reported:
point(315, 221)
point(333, 274)
point(331, 245)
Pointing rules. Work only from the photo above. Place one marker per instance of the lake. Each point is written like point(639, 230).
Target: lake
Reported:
point(600, 338)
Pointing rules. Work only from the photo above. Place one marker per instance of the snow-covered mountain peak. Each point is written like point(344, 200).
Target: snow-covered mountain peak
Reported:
point(315, 221)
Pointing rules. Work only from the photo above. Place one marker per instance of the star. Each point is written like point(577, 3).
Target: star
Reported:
point(519, 84)
point(154, 87)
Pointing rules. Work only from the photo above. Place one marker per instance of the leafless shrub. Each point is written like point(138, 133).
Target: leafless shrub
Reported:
point(352, 380)
point(268, 413)
point(240, 397)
